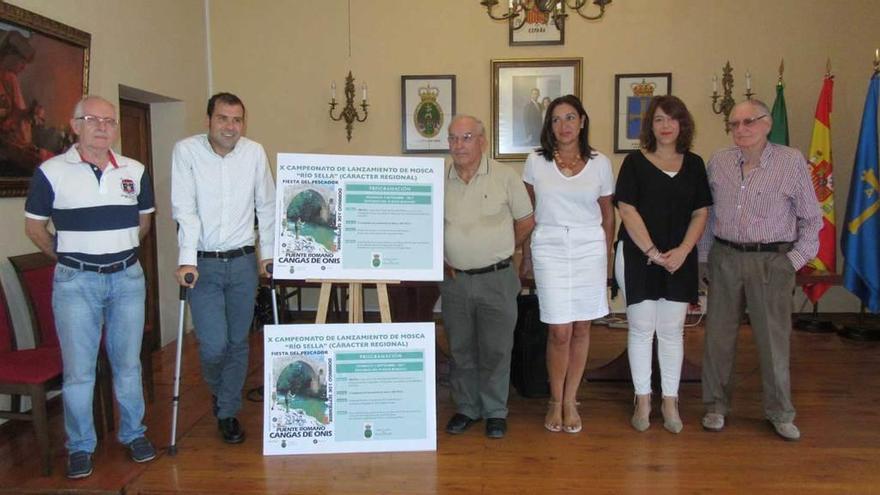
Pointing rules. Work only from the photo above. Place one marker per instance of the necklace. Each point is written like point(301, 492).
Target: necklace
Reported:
point(567, 168)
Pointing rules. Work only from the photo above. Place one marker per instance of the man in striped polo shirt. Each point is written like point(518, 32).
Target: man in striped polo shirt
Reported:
point(100, 205)
point(765, 223)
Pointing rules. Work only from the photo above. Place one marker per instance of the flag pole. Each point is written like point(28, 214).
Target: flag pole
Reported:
point(807, 278)
point(779, 114)
point(819, 274)
point(866, 329)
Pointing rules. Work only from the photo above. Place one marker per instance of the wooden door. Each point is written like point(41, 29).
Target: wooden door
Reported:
point(134, 119)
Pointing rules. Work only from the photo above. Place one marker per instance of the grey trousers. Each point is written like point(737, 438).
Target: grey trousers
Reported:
point(763, 282)
point(479, 315)
point(222, 304)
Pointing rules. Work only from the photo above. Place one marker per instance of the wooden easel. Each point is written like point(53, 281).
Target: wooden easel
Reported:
point(355, 299)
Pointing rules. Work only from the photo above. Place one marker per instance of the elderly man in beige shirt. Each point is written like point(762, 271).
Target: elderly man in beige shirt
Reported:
point(487, 214)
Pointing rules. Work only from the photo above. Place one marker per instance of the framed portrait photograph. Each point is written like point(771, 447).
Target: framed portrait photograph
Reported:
point(538, 25)
point(522, 89)
point(427, 104)
point(632, 94)
point(44, 72)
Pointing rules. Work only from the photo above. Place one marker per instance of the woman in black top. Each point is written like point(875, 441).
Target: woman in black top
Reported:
point(663, 197)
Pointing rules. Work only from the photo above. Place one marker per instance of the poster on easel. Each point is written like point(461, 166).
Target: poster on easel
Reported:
point(342, 388)
point(359, 217)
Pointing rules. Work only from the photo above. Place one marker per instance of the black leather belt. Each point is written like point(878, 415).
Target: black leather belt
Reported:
point(757, 247)
point(486, 269)
point(93, 267)
point(227, 255)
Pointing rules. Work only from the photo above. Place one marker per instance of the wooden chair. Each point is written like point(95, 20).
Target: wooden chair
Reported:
point(35, 273)
point(32, 373)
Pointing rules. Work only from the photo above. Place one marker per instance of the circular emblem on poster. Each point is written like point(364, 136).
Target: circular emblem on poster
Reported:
point(428, 116)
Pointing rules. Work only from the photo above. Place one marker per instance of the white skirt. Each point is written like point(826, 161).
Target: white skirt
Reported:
point(570, 266)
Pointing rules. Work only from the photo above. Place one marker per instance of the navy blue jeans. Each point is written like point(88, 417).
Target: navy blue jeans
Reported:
point(222, 304)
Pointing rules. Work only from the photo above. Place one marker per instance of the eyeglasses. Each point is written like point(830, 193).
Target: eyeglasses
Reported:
point(465, 138)
point(95, 121)
point(747, 123)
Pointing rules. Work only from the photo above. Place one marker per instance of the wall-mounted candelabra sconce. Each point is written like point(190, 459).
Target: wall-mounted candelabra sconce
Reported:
point(349, 113)
point(725, 106)
point(553, 8)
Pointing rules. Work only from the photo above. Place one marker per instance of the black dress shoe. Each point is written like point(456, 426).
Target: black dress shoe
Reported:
point(231, 430)
point(459, 423)
point(496, 427)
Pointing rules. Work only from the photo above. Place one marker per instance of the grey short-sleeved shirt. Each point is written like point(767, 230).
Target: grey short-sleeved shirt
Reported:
point(479, 216)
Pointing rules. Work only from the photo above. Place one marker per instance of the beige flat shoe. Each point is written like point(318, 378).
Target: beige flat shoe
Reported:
point(788, 431)
point(640, 419)
point(713, 422)
point(671, 419)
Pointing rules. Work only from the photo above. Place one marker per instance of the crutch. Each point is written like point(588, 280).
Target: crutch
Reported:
point(271, 269)
point(175, 399)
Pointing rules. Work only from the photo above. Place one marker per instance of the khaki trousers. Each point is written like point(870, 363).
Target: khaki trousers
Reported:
point(763, 283)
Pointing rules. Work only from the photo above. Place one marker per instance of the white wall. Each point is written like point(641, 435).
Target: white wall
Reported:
point(156, 46)
point(294, 49)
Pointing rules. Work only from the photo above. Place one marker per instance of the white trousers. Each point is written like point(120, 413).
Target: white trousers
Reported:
point(666, 318)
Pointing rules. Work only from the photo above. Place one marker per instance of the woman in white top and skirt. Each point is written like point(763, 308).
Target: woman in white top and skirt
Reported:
point(571, 186)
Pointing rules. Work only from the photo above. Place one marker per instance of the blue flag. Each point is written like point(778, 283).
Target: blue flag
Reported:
point(860, 242)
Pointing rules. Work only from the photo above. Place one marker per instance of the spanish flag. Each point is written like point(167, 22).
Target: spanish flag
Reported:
point(820, 169)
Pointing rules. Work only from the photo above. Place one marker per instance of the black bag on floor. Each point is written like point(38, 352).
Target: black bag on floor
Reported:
point(528, 366)
point(263, 308)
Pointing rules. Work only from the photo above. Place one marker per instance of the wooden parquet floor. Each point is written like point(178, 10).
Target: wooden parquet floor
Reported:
point(836, 388)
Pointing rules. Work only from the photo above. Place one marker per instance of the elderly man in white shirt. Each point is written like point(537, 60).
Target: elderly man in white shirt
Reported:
point(218, 181)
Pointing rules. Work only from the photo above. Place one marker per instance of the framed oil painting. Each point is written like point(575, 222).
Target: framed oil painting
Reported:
point(427, 104)
point(44, 71)
point(522, 89)
point(632, 94)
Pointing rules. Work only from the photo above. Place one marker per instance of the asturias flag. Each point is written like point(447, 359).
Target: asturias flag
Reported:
point(860, 242)
point(820, 169)
point(779, 131)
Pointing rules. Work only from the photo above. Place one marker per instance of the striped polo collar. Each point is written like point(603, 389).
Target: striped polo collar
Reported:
point(74, 155)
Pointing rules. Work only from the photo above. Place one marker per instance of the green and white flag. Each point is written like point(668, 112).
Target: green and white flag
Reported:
point(779, 132)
